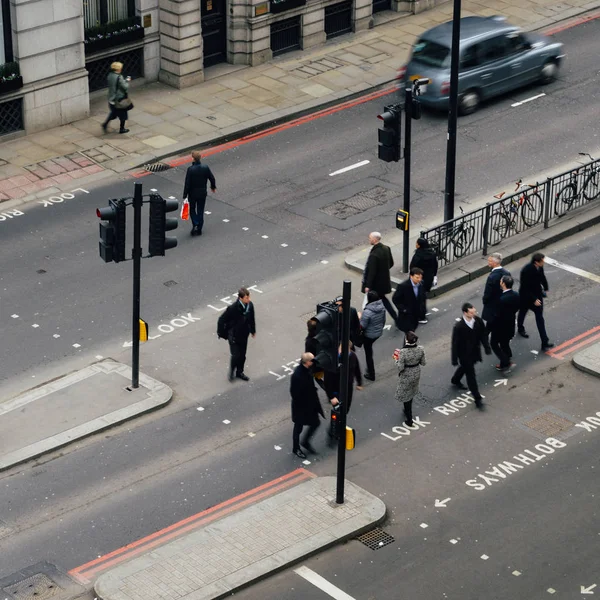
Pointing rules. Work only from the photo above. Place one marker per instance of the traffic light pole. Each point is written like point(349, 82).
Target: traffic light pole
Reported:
point(343, 392)
point(407, 144)
point(137, 269)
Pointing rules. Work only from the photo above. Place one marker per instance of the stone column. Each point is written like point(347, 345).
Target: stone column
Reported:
point(313, 28)
point(181, 43)
point(148, 12)
point(363, 15)
point(48, 45)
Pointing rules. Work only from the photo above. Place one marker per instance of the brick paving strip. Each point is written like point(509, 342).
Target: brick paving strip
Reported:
point(167, 121)
point(223, 556)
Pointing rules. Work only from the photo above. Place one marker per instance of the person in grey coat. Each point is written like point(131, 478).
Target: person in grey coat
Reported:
point(372, 321)
point(409, 361)
point(118, 87)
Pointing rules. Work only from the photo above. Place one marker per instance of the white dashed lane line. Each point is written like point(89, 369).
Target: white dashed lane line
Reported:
point(527, 100)
point(322, 583)
point(362, 163)
point(574, 270)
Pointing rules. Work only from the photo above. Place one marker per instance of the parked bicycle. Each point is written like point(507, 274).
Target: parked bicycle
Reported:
point(590, 188)
point(528, 205)
point(458, 235)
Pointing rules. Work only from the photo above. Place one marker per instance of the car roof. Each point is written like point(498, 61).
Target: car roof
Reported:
point(470, 28)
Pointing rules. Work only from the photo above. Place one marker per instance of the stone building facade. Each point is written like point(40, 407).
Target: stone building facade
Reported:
point(63, 48)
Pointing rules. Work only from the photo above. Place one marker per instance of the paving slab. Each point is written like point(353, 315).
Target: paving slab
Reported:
point(588, 359)
point(69, 408)
point(225, 555)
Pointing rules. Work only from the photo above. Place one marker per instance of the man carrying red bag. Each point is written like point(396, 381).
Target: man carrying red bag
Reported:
point(196, 179)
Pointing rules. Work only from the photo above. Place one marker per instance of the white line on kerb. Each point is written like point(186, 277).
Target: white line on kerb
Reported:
point(322, 584)
point(354, 166)
point(575, 270)
point(527, 100)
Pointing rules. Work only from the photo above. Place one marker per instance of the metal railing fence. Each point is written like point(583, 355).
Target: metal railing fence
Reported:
point(530, 205)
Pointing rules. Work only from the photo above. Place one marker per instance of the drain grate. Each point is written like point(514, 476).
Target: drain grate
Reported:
point(359, 203)
point(157, 167)
point(375, 539)
point(549, 424)
point(36, 587)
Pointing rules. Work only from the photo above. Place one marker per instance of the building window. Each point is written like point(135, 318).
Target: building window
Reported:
point(101, 12)
point(6, 50)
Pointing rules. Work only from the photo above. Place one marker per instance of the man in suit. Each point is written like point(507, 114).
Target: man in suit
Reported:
point(468, 336)
point(409, 299)
point(492, 291)
point(532, 292)
point(376, 276)
point(306, 406)
point(235, 325)
point(194, 189)
point(503, 325)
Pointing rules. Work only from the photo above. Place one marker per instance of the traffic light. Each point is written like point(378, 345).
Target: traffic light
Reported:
point(160, 224)
point(327, 318)
point(388, 149)
point(112, 231)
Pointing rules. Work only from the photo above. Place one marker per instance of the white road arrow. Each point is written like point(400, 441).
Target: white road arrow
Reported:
point(500, 382)
point(127, 344)
point(588, 590)
point(388, 327)
point(441, 503)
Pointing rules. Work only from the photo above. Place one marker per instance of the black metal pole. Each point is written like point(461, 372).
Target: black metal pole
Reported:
point(343, 391)
point(452, 117)
point(407, 145)
point(137, 264)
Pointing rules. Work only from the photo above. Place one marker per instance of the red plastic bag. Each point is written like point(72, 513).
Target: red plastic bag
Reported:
point(185, 210)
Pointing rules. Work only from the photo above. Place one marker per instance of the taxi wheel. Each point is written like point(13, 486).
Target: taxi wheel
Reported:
point(548, 72)
point(469, 102)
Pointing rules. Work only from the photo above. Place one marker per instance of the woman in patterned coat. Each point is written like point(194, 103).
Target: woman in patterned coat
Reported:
point(409, 361)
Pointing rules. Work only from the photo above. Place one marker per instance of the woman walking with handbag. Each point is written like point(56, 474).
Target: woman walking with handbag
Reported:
point(118, 99)
point(409, 361)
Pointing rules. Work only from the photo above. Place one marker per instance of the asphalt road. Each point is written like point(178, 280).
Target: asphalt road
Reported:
point(273, 191)
point(111, 490)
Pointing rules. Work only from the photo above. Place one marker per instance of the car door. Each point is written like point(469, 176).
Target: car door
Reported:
point(521, 63)
point(493, 71)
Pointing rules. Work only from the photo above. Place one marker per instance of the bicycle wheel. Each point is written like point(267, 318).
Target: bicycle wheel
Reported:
point(462, 240)
point(591, 187)
point(564, 199)
point(531, 209)
point(497, 228)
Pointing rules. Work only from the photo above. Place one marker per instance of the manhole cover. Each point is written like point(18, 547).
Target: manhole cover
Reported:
point(170, 283)
point(157, 167)
point(36, 587)
point(359, 203)
point(549, 424)
point(375, 539)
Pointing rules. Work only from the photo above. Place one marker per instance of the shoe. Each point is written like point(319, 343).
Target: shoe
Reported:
point(523, 333)
point(501, 368)
point(104, 127)
point(299, 453)
point(230, 376)
point(123, 130)
point(199, 232)
point(308, 448)
point(409, 424)
point(459, 385)
point(242, 376)
point(480, 405)
point(423, 321)
point(547, 346)
point(194, 231)
point(369, 377)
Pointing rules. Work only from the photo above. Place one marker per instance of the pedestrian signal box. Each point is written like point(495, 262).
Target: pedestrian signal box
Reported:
point(350, 438)
point(402, 220)
point(143, 331)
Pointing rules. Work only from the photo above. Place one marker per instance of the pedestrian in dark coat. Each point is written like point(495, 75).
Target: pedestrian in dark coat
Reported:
point(409, 299)
point(372, 321)
point(355, 336)
point(306, 406)
point(468, 336)
point(425, 259)
point(409, 361)
point(376, 275)
point(503, 325)
point(235, 324)
point(194, 189)
point(532, 292)
point(492, 291)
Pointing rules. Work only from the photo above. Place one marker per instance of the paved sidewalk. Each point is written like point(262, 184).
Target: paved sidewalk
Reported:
point(167, 121)
point(588, 360)
point(218, 558)
point(64, 410)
